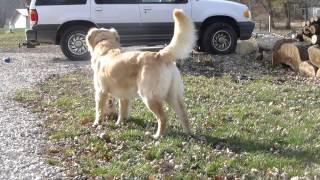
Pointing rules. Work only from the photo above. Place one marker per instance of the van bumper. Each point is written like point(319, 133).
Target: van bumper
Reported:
point(31, 35)
point(42, 34)
point(245, 30)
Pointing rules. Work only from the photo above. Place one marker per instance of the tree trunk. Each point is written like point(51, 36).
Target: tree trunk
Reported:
point(268, 6)
point(287, 12)
point(2, 15)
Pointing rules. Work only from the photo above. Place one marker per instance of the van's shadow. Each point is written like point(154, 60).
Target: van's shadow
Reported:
point(203, 64)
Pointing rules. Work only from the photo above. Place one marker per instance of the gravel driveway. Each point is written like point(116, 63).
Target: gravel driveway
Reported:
point(21, 139)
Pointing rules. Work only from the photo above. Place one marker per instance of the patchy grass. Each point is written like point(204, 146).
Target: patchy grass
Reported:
point(266, 126)
point(9, 40)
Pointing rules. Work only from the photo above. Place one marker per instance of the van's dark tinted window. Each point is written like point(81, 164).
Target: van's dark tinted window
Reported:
point(164, 1)
point(117, 1)
point(59, 2)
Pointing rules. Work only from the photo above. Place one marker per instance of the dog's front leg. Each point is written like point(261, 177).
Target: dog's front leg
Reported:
point(100, 98)
point(123, 110)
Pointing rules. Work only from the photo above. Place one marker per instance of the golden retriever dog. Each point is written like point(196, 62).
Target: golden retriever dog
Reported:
point(151, 75)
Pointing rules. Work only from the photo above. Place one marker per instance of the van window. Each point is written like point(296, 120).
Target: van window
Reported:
point(117, 1)
point(164, 1)
point(59, 2)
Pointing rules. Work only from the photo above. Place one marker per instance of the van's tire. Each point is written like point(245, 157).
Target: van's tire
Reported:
point(219, 38)
point(73, 43)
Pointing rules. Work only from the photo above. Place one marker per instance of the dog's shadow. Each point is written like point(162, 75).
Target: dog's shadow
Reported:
point(237, 145)
point(68, 61)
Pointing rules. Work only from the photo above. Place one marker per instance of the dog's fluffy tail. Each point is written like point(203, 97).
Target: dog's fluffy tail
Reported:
point(183, 40)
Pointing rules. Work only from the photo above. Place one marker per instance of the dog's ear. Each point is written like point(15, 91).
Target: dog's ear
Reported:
point(90, 38)
point(115, 32)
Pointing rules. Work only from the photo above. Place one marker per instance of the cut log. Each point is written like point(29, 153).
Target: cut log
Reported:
point(290, 52)
point(306, 39)
point(299, 37)
point(308, 23)
point(311, 20)
point(314, 55)
point(318, 73)
point(314, 29)
point(266, 43)
point(315, 39)
point(306, 30)
point(314, 20)
point(306, 68)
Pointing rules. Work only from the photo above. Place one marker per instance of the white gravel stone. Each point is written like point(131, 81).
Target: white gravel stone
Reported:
point(21, 138)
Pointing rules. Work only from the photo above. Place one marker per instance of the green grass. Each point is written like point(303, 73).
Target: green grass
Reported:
point(10, 40)
point(257, 124)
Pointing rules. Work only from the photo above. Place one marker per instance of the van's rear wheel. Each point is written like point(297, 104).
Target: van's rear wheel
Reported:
point(219, 38)
point(73, 43)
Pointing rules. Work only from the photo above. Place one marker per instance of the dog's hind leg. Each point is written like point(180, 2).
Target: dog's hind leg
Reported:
point(123, 110)
point(178, 106)
point(100, 98)
point(156, 107)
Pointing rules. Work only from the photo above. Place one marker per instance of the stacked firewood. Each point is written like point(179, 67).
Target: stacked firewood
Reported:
point(301, 57)
point(310, 31)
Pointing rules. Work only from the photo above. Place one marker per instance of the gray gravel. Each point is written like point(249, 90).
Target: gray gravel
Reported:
point(21, 138)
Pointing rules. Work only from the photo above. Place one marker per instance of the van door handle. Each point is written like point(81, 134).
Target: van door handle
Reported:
point(146, 10)
point(99, 9)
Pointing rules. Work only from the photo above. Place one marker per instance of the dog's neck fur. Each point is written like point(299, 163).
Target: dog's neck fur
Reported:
point(104, 47)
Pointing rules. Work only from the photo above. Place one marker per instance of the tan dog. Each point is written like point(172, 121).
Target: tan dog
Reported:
point(151, 75)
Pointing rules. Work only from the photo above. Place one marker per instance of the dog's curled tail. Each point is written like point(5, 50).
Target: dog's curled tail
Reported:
point(183, 40)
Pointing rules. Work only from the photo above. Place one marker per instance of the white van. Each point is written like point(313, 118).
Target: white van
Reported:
point(139, 22)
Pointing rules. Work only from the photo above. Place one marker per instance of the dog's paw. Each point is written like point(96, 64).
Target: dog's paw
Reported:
point(156, 136)
point(95, 125)
point(118, 123)
point(148, 133)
